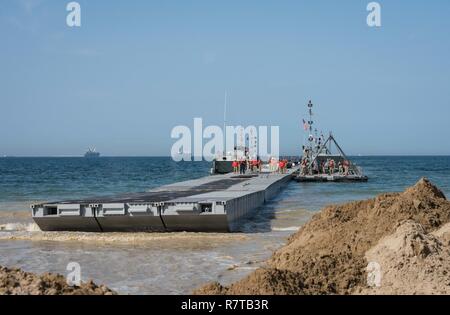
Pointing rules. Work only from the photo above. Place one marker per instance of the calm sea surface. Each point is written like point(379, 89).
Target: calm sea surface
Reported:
point(179, 264)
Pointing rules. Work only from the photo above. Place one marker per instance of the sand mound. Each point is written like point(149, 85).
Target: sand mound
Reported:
point(18, 282)
point(268, 281)
point(424, 188)
point(328, 254)
point(411, 262)
point(443, 234)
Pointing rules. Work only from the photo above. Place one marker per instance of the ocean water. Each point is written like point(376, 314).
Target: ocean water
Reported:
point(25, 180)
point(171, 263)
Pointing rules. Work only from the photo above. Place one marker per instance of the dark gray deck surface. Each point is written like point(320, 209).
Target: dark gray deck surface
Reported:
point(159, 196)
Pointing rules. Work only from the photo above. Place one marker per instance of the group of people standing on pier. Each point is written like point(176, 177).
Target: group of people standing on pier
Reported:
point(244, 165)
point(255, 166)
point(329, 167)
point(278, 166)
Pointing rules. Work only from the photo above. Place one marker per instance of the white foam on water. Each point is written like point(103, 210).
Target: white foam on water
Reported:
point(31, 232)
point(32, 227)
point(283, 229)
point(246, 268)
point(28, 227)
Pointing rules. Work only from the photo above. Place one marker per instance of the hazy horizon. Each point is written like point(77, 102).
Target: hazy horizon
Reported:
point(168, 156)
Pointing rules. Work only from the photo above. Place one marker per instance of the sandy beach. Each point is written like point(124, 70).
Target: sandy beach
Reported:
point(396, 243)
point(14, 281)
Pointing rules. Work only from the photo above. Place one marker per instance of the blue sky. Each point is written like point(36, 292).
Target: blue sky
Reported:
point(136, 69)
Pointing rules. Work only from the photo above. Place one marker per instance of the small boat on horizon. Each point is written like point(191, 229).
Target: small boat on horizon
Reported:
point(92, 153)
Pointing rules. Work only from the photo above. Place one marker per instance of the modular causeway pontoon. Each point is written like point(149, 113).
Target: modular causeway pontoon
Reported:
point(213, 203)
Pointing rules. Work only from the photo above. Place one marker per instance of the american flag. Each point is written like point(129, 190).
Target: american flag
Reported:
point(305, 125)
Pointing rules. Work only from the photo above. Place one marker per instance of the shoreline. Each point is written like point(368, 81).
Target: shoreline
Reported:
point(407, 234)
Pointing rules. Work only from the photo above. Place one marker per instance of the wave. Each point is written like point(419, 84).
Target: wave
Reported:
point(29, 233)
point(24, 227)
point(283, 229)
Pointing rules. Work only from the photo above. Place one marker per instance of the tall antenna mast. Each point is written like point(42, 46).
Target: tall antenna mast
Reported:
point(310, 123)
point(225, 123)
point(225, 111)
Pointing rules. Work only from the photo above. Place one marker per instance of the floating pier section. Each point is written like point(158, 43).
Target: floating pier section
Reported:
point(209, 204)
